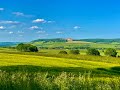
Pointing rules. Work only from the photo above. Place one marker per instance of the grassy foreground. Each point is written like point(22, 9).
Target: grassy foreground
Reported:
point(64, 81)
point(35, 71)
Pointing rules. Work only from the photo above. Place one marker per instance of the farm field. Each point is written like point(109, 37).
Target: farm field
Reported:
point(43, 61)
point(49, 70)
point(75, 44)
point(28, 71)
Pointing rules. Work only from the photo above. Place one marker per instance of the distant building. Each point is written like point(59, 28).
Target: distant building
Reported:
point(69, 39)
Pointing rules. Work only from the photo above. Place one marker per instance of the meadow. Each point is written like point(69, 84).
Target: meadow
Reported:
point(76, 44)
point(48, 70)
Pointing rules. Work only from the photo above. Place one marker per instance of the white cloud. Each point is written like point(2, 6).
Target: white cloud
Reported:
point(50, 21)
point(77, 27)
point(1, 9)
point(21, 14)
point(39, 21)
point(34, 27)
point(40, 32)
point(2, 27)
point(10, 32)
point(42, 21)
point(20, 32)
point(59, 32)
point(18, 13)
point(9, 22)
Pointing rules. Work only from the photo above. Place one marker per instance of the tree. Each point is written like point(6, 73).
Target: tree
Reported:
point(33, 49)
point(63, 52)
point(110, 52)
point(20, 47)
point(92, 51)
point(75, 52)
point(26, 48)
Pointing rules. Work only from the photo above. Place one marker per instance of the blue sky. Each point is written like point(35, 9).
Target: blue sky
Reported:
point(26, 20)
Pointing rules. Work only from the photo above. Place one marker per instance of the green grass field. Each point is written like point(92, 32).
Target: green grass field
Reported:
point(76, 44)
point(47, 70)
point(63, 64)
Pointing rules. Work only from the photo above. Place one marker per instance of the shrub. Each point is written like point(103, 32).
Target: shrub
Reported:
point(26, 48)
point(110, 52)
point(75, 52)
point(62, 52)
point(33, 49)
point(92, 51)
point(118, 56)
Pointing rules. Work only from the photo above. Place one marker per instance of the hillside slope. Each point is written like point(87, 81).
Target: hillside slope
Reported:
point(56, 64)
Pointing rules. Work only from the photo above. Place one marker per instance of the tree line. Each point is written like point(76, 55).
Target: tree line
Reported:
point(90, 51)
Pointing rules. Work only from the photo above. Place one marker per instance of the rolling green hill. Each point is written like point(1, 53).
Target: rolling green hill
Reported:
point(55, 64)
point(101, 40)
point(77, 44)
point(51, 40)
point(42, 71)
point(85, 40)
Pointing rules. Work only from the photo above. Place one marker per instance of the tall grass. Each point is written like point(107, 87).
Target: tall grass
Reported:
point(63, 81)
point(21, 79)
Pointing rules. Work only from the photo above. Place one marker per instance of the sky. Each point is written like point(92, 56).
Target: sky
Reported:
point(27, 20)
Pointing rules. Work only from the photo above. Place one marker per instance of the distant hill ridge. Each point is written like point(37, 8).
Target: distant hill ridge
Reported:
point(51, 40)
point(86, 40)
point(100, 40)
point(6, 44)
